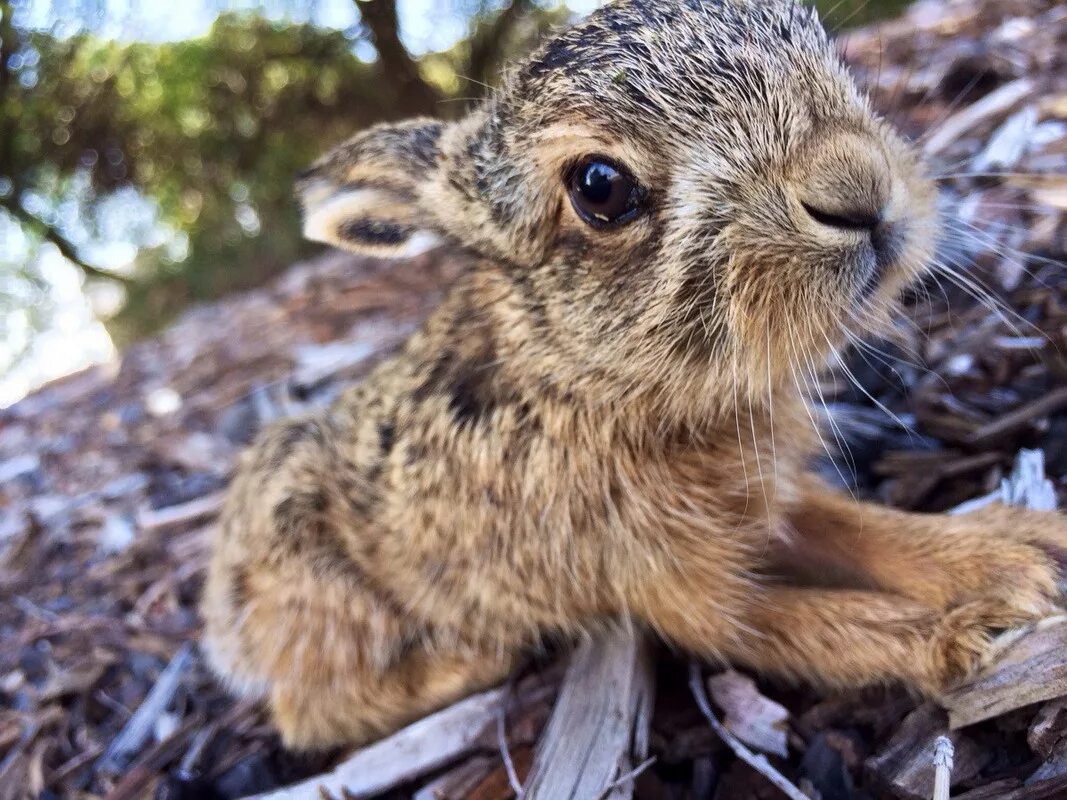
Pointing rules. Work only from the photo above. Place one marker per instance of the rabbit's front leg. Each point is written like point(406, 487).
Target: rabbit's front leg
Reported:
point(850, 638)
point(831, 637)
point(998, 553)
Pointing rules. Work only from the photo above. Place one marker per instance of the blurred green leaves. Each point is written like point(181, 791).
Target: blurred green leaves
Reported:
point(212, 130)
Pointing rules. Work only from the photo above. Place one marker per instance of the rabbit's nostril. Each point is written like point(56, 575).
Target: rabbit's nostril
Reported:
point(852, 219)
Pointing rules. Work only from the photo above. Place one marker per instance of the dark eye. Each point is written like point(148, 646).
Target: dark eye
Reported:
point(603, 193)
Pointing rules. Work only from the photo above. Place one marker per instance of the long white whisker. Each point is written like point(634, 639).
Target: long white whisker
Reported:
point(885, 409)
point(770, 414)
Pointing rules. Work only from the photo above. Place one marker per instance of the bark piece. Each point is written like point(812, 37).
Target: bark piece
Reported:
point(1055, 789)
point(599, 729)
point(1032, 669)
point(756, 720)
point(905, 766)
point(1049, 728)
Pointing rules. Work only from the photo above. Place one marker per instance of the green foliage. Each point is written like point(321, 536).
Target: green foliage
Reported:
point(839, 15)
point(212, 129)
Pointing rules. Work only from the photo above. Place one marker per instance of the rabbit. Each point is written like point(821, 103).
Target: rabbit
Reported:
point(674, 210)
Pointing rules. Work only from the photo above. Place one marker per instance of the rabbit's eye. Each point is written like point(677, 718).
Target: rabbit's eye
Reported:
point(603, 193)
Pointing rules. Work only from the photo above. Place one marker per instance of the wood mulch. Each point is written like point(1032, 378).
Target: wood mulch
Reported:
point(110, 478)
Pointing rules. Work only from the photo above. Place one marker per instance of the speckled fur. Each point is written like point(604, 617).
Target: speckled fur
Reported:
point(613, 423)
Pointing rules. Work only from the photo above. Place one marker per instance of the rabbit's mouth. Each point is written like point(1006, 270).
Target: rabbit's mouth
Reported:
point(876, 242)
point(886, 252)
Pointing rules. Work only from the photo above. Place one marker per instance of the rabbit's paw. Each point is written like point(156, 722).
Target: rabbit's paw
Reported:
point(1018, 570)
point(972, 636)
point(1045, 530)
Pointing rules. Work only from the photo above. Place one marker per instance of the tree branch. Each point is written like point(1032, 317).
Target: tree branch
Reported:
point(8, 45)
point(414, 95)
point(65, 247)
point(488, 40)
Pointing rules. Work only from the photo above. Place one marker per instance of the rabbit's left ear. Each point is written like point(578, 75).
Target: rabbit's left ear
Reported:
point(364, 196)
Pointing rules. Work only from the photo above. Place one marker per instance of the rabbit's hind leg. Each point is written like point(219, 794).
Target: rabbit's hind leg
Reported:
point(293, 618)
point(338, 664)
point(355, 706)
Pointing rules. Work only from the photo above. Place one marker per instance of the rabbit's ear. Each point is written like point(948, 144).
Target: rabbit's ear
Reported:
point(365, 196)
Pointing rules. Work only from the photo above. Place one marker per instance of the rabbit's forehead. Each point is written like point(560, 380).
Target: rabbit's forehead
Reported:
point(679, 72)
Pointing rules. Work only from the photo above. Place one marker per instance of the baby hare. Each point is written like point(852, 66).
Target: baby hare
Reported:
point(675, 210)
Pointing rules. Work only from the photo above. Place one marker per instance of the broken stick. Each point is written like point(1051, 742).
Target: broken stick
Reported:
point(599, 727)
point(138, 728)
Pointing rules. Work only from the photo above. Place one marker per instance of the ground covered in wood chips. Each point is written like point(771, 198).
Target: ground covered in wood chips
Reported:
point(109, 479)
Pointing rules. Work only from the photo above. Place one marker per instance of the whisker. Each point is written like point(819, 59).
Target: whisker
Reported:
point(951, 107)
point(951, 175)
point(770, 414)
point(815, 425)
point(858, 9)
point(999, 247)
point(985, 298)
point(1036, 207)
point(842, 443)
point(881, 406)
point(740, 444)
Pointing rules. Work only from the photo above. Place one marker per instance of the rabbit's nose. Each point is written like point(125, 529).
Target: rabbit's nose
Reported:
point(864, 218)
point(847, 187)
point(868, 220)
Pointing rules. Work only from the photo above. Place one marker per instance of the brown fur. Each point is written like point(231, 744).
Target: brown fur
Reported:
point(609, 423)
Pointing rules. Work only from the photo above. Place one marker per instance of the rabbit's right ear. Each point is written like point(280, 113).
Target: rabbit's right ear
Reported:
point(365, 195)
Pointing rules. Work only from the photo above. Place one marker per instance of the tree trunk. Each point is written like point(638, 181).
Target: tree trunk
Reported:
point(414, 96)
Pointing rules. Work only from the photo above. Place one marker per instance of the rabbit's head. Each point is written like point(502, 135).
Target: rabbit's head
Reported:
point(684, 195)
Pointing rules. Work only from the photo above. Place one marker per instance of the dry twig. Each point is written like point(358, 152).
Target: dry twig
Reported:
point(138, 729)
point(943, 753)
point(757, 762)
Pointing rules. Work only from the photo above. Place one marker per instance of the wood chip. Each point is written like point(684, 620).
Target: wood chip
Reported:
point(905, 766)
point(459, 782)
point(1030, 670)
point(1049, 728)
point(757, 762)
point(599, 728)
point(1033, 666)
point(754, 719)
point(420, 748)
point(139, 728)
point(1013, 421)
point(1006, 147)
point(992, 105)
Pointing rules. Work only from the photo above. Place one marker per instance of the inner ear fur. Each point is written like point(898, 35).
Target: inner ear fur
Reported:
point(366, 195)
